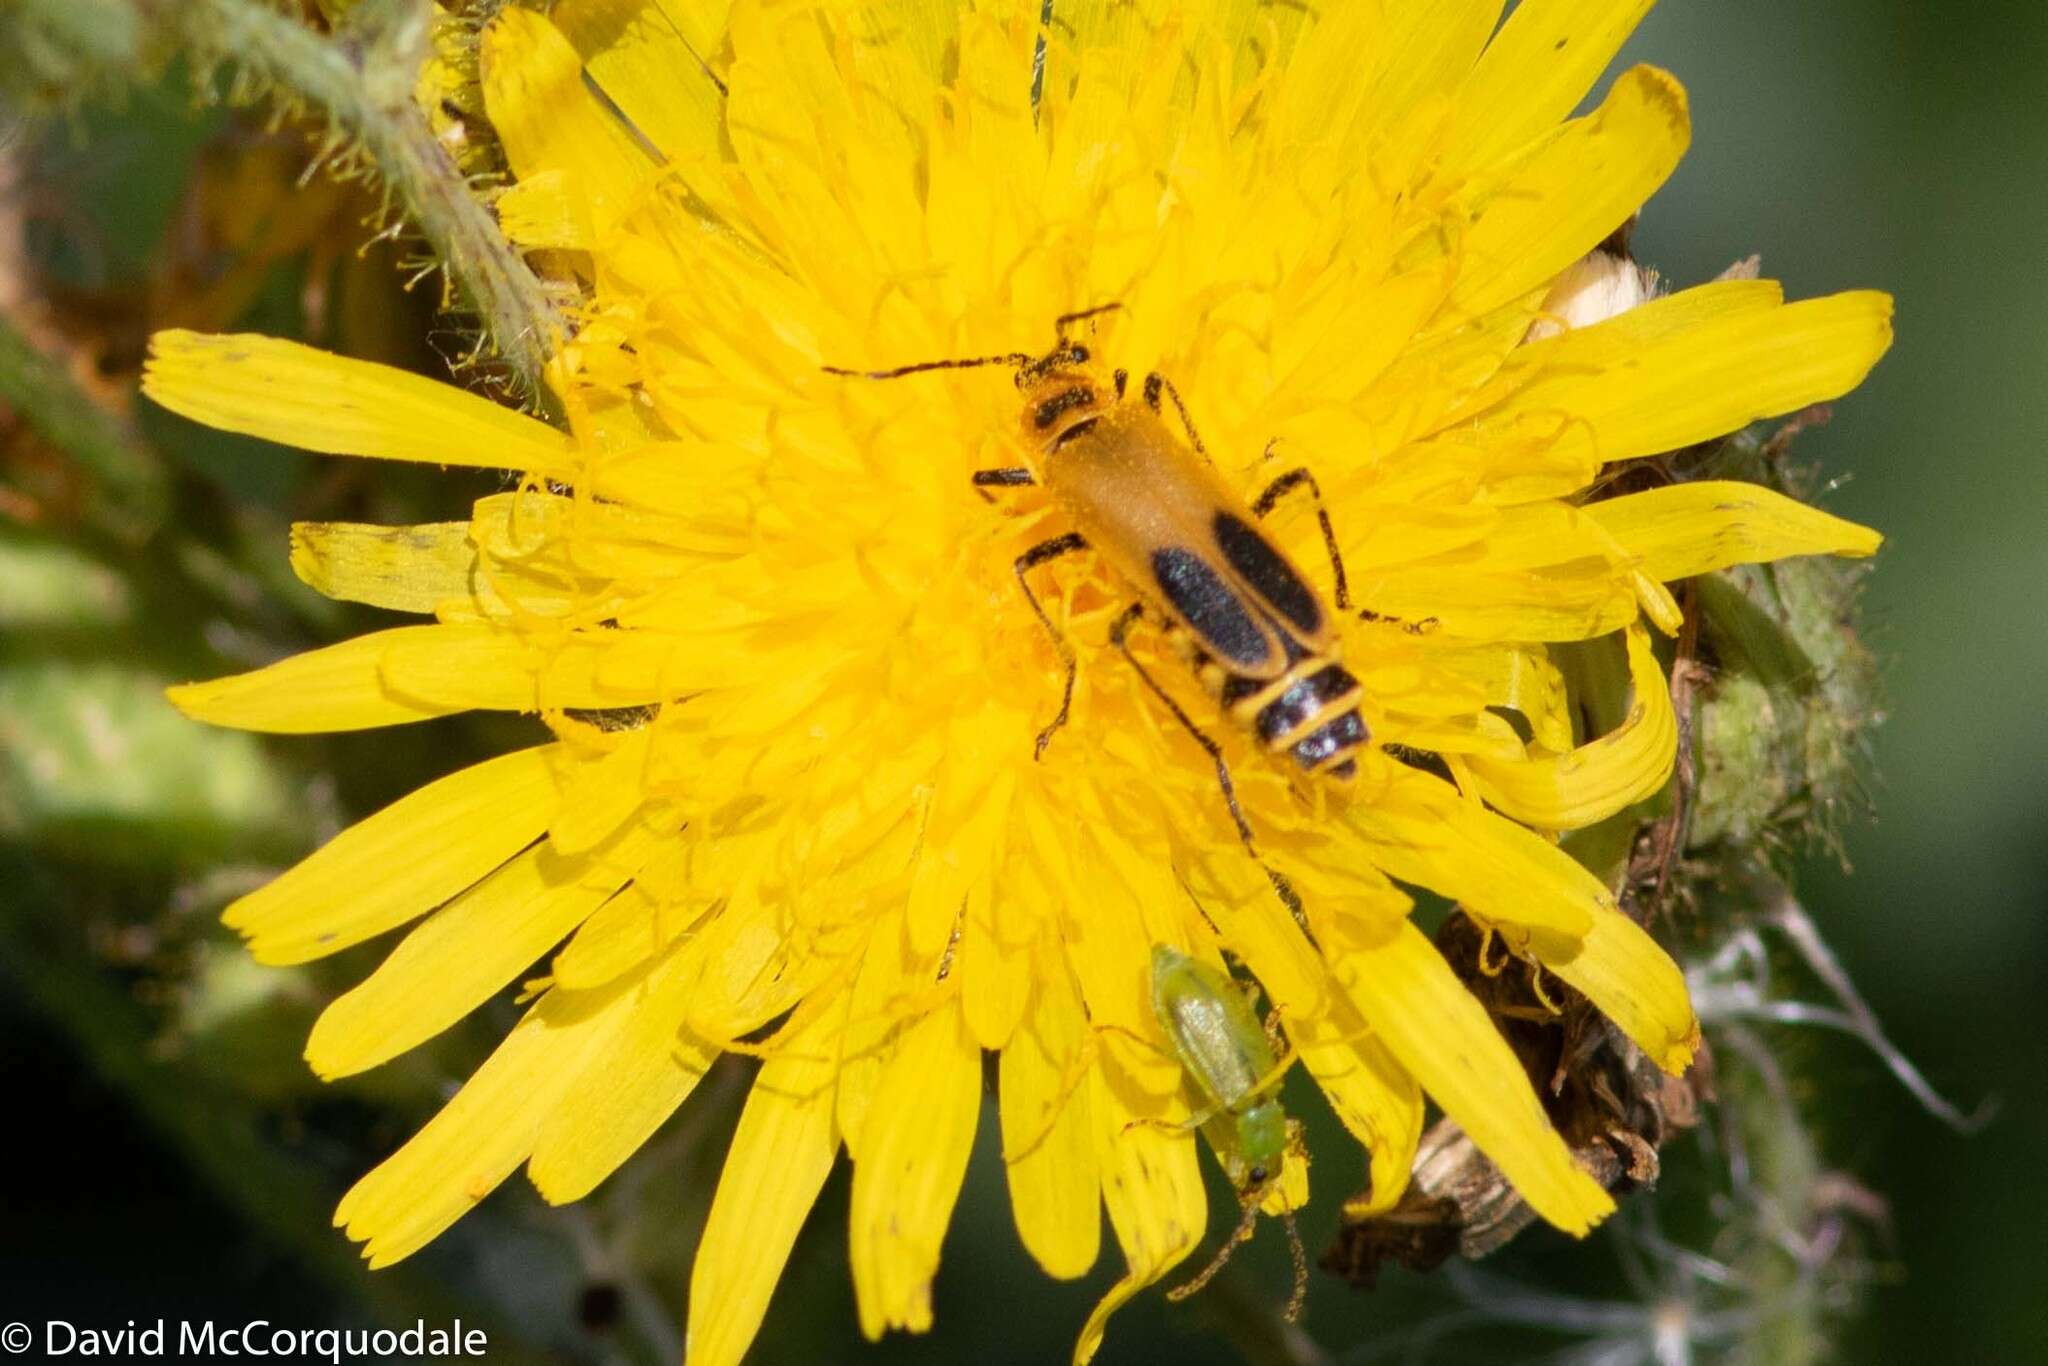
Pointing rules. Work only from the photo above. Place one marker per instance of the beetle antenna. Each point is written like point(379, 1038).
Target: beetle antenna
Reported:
point(964, 363)
point(1066, 320)
point(1300, 1296)
point(1242, 1233)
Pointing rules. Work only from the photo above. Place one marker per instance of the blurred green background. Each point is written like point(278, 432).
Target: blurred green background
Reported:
point(173, 1156)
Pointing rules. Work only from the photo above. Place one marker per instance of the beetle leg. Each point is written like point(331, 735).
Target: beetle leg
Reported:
point(1029, 560)
point(1009, 477)
point(1195, 1120)
point(1155, 382)
point(1275, 1074)
point(1276, 1038)
point(1413, 628)
point(1125, 1032)
point(1119, 636)
point(1286, 484)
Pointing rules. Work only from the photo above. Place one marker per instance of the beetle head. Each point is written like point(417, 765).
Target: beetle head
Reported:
point(1061, 389)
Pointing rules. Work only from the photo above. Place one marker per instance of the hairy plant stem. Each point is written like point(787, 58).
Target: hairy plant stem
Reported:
point(363, 78)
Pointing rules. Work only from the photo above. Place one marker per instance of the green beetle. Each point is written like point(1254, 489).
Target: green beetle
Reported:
point(1219, 1041)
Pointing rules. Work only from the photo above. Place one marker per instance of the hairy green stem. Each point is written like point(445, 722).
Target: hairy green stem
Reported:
point(363, 78)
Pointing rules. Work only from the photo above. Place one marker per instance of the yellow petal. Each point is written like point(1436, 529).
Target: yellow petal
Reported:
point(617, 1102)
point(1363, 68)
point(995, 978)
point(1688, 529)
point(1418, 829)
point(963, 827)
point(548, 119)
point(1049, 1137)
point(1288, 1191)
point(1617, 337)
point(1589, 178)
point(405, 860)
point(544, 210)
point(404, 568)
point(1536, 70)
point(1522, 678)
point(338, 687)
point(1593, 781)
point(1238, 900)
point(702, 25)
point(1279, 955)
point(743, 940)
point(888, 974)
point(816, 147)
point(466, 951)
point(778, 1160)
point(635, 925)
point(1344, 346)
point(1698, 383)
point(1378, 1099)
point(487, 1130)
point(299, 396)
point(1576, 601)
point(908, 1174)
point(603, 795)
point(600, 668)
point(657, 75)
point(1634, 983)
point(460, 665)
point(1157, 1206)
point(1440, 1033)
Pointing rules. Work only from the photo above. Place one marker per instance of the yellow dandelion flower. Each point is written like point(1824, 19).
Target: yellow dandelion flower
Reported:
point(792, 691)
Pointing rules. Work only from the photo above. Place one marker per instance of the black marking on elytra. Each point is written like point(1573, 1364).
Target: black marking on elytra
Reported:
point(1080, 396)
point(1325, 742)
point(1070, 433)
point(1254, 557)
point(1303, 699)
point(1209, 607)
point(1292, 648)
